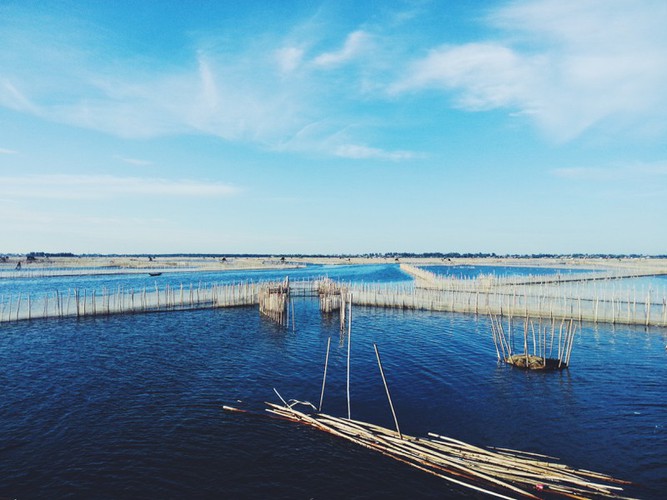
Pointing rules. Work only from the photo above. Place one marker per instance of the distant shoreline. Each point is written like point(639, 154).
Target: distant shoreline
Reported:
point(114, 264)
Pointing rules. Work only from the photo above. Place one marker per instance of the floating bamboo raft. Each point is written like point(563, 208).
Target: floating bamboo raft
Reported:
point(499, 472)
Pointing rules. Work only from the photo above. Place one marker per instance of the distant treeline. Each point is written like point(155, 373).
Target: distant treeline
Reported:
point(31, 256)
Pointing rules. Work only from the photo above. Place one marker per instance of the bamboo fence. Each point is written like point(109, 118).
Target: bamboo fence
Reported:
point(45, 272)
point(82, 302)
point(517, 301)
point(428, 279)
point(274, 300)
point(598, 304)
point(334, 296)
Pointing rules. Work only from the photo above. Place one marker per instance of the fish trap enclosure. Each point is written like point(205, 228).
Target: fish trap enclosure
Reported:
point(546, 346)
point(274, 299)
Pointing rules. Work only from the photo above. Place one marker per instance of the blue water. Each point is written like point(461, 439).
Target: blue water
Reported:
point(466, 271)
point(129, 406)
point(385, 273)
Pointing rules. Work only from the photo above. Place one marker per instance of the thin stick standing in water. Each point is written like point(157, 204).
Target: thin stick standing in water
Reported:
point(324, 378)
point(349, 343)
point(386, 388)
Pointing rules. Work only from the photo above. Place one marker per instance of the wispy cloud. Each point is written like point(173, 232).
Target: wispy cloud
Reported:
point(360, 152)
point(264, 92)
point(13, 98)
point(355, 44)
point(90, 187)
point(4, 151)
point(134, 161)
point(615, 173)
point(289, 58)
point(567, 65)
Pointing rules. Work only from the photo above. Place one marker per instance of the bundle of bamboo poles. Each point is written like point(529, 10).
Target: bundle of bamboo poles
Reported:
point(499, 472)
point(542, 356)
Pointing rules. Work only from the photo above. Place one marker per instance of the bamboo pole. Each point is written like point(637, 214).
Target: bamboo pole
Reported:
point(324, 377)
point(493, 332)
point(569, 351)
point(18, 306)
point(499, 472)
point(386, 388)
point(349, 347)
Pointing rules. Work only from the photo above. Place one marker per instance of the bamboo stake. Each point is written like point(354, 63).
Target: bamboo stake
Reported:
point(349, 344)
point(324, 377)
point(493, 332)
point(386, 388)
point(569, 351)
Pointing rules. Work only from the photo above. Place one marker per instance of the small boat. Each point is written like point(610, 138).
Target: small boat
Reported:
point(154, 274)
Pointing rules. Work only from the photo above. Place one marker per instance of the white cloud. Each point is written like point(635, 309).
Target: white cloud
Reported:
point(355, 44)
point(4, 151)
point(360, 152)
point(91, 187)
point(468, 67)
point(567, 65)
point(264, 93)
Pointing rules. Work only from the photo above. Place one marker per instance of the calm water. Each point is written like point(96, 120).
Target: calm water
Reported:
point(129, 406)
point(466, 271)
point(384, 273)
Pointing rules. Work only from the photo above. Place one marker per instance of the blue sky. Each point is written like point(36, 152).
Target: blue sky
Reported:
point(333, 127)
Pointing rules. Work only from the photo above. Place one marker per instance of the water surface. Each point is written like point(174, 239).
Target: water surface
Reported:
point(130, 406)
